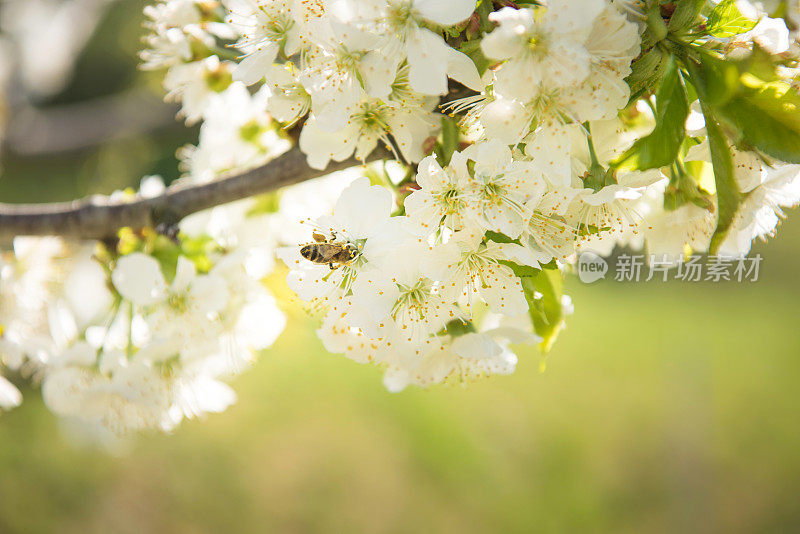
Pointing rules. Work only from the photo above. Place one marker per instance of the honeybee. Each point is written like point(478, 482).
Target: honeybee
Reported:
point(323, 251)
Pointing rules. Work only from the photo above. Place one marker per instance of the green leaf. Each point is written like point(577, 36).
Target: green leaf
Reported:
point(473, 50)
point(715, 79)
point(768, 119)
point(656, 27)
point(758, 67)
point(546, 312)
point(458, 328)
point(264, 204)
point(726, 20)
point(728, 195)
point(450, 139)
point(685, 14)
point(646, 70)
point(499, 238)
point(520, 270)
point(749, 96)
point(661, 147)
point(484, 9)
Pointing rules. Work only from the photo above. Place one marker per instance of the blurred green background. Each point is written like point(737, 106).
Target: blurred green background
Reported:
point(664, 408)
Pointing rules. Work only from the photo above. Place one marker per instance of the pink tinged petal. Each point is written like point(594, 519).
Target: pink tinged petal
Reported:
point(427, 59)
point(445, 13)
point(138, 279)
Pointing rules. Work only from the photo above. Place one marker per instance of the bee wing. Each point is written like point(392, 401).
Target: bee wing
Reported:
point(328, 251)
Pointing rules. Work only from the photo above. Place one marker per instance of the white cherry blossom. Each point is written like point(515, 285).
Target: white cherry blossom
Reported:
point(443, 198)
point(371, 122)
point(362, 221)
point(546, 47)
point(472, 270)
point(267, 28)
point(404, 27)
point(501, 187)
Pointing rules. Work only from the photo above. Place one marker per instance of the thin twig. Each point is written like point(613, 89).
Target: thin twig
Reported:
point(99, 217)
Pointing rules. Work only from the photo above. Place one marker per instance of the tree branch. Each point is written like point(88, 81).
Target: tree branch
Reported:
point(38, 132)
point(99, 217)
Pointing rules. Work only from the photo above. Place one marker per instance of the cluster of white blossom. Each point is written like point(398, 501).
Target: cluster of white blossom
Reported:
point(141, 340)
point(435, 293)
point(431, 267)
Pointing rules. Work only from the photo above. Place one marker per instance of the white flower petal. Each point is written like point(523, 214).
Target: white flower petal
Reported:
point(138, 278)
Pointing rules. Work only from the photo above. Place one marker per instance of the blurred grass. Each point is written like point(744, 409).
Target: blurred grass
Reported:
point(664, 408)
